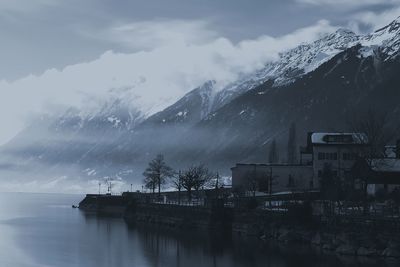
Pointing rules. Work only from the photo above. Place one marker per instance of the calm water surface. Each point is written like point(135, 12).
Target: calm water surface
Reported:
point(43, 230)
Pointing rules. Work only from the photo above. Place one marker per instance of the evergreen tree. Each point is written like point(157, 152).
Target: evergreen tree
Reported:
point(273, 153)
point(292, 146)
point(177, 181)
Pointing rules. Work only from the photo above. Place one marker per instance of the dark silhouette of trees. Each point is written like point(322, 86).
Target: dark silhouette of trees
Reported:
point(150, 183)
point(195, 177)
point(375, 130)
point(156, 174)
point(331, 187)
point(292, 145)
point(252, 186)
point(273, 156)
point(252, 181)
point(177, 183)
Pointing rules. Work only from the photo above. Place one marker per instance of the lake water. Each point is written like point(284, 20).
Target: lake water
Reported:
point(43, 230)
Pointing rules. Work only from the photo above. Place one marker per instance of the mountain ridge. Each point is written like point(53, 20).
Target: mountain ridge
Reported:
point(222, 127)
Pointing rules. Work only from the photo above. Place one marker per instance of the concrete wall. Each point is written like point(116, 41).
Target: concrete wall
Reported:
point(286, 177)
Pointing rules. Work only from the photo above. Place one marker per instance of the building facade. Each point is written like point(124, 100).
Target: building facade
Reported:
point(336, 151)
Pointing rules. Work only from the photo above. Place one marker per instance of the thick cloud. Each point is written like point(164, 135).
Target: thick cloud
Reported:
point(177, 56)
point(374, 20)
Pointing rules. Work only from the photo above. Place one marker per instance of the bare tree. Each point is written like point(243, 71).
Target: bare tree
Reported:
point(149, 182)
point(252, 181)
point(292, 145)
point(156, 173)
point(273, 153)
point(373, 129)
point(257, 180)
point(177, 183)
point(195, 177)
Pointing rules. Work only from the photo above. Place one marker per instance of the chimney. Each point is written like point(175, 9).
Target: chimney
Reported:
point(398, 148)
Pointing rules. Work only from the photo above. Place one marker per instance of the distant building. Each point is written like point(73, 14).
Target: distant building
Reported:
point(339, 151)
point(380, 174)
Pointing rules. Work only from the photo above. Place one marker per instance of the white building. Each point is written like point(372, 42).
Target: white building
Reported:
point(337, 150)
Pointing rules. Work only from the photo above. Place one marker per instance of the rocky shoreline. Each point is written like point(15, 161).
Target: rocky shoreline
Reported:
point(344, 243)
point(347, 238)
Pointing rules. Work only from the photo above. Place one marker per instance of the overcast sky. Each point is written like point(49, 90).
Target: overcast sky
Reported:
point(59, 52)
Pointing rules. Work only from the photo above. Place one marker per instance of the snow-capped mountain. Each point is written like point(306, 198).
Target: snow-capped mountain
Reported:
point(305, 58)
point(191, 108)
point(316, 85)
point(122, 111)
point(386, 38)
point(114, 114)
point(290, 66)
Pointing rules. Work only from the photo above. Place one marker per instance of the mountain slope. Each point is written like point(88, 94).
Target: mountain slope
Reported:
point(317, 85)
point(241, 130)
point(191, 108)
point(303, 59)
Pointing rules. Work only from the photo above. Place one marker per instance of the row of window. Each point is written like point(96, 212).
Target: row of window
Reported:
point(327, 156)
point(334, 156)
point(334, 173)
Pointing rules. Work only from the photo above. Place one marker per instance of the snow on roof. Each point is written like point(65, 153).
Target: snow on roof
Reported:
point(338, 138)
point(386, 165)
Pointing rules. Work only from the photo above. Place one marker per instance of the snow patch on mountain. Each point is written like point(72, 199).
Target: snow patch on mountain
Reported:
point(305, 58)
point(386, 38)
point(124, 108)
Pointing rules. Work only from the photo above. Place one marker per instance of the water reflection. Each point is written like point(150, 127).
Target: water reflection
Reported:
point(43, 230)
point(166, 247)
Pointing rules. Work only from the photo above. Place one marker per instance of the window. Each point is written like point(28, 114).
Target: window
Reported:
point(327, 156)
point(349, 156)
point(319, 173)
point(338, 138)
